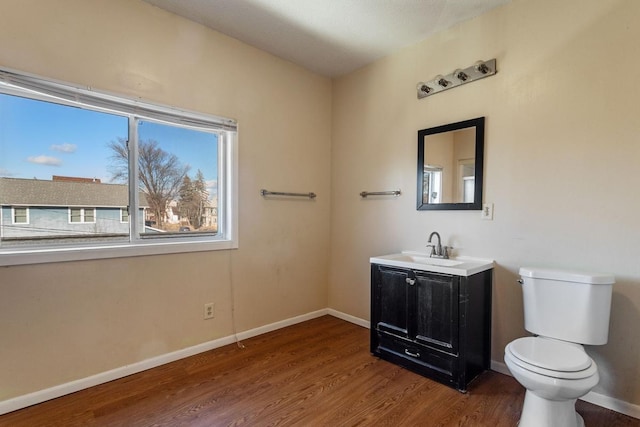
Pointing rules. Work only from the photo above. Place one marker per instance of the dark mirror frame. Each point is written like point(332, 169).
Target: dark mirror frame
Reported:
point(478, 123)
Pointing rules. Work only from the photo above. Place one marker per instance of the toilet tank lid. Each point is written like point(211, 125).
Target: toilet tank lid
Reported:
point(567, 275)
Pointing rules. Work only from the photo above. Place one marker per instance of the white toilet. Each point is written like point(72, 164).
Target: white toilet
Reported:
point(563, 309)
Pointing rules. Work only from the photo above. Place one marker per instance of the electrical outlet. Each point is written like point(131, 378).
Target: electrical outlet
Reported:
point(487, 211)
point(209, 312)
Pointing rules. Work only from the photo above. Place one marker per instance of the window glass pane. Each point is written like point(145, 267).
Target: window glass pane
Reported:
point(178, 174)
point(124, 215)
point(75, 215)
point(89, 215)
point(20, 216)
point(54, 159)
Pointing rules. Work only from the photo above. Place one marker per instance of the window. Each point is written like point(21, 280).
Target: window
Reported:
point(75, 215)
point(88, 215)
point(124, 215)
point(432, 184)
point(96, 175)
point(20, 215)
point(82, 215)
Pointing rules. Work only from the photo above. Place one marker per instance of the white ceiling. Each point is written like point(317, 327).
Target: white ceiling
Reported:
point(329, 37)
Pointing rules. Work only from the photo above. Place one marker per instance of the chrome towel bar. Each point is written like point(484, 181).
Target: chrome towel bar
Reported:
point(266, 193)
point(380, 193)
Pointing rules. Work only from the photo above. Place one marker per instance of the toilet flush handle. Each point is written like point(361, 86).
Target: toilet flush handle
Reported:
point(521, 281)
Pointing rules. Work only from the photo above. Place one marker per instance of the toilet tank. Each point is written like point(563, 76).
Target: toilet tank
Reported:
point(567, 305)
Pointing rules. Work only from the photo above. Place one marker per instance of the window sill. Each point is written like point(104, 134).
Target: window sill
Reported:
point(123, 250)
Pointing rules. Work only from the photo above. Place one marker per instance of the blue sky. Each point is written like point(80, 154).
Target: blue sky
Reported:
point(40, 139)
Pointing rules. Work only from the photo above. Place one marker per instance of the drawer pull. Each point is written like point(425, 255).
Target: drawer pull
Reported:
point(411, 353)
point(410, 281)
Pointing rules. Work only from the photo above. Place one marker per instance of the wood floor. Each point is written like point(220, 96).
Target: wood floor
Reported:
point(317, 373)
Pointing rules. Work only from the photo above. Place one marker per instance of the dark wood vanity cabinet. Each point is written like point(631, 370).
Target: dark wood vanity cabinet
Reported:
point(437, 325)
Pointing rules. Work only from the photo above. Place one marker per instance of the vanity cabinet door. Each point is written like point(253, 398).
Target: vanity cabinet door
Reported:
point(390, 300)
point(435, 312)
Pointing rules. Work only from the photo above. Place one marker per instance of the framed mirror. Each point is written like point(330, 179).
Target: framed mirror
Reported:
point(450, 166)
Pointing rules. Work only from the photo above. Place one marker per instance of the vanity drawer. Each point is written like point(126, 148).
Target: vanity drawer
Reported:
point(415, 354)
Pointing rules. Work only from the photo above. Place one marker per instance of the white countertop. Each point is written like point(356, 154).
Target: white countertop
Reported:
point(458, 266)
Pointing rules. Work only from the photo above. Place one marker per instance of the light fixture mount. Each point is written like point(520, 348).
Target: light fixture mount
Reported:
point(477, 71)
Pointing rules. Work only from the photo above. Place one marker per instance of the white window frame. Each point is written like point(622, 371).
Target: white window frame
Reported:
point(34, 87)
point(13, 214)
point(83, 218)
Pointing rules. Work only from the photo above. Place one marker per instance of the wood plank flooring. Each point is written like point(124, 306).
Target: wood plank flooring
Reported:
point(317, 373)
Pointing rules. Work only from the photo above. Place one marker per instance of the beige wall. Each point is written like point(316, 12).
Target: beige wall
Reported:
point(61, 322)
point(438, 152)
point(561, 161)
point(464, 153)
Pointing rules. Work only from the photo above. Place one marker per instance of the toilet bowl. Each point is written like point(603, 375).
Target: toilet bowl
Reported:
point(555, 374)
point(563, 309)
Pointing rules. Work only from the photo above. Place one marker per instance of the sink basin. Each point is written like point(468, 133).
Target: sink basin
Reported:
point(458, 266)
point(423, 259)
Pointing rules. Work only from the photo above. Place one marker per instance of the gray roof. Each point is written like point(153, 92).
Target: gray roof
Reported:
point(35, 192)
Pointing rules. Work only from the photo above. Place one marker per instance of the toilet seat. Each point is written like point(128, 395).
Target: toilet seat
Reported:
point(551, 358)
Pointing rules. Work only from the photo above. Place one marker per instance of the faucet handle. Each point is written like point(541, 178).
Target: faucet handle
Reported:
point(446, 251)
point(433, 249)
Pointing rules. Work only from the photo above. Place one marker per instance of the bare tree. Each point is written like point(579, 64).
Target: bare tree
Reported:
point(193, 196)
point(160, 174)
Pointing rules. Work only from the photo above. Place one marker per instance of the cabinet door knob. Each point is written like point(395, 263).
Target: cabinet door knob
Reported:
point(410, 281)
point(411, 353)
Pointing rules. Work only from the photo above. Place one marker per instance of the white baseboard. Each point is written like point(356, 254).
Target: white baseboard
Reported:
point(500, 367)
point(598, 399)
point(40, 396)
point(614, 404)
point(349, 318)
point(23, 401)
point(281, 324)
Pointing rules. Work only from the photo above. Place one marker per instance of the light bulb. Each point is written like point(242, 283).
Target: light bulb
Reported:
point(441, 81)
point(422, 87)
point(460, 75)
point(481, 67)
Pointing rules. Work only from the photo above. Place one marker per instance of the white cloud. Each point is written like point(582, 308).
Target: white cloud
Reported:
point(45, 160)
point(6, 172)
point(64, 148)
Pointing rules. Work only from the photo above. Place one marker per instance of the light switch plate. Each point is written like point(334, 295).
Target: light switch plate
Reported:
point(487, 211)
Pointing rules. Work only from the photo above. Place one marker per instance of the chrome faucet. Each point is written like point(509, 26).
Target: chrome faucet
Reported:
point(437, 250)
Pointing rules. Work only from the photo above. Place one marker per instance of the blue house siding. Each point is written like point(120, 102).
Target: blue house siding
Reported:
point(54, 221)
point(94, 207)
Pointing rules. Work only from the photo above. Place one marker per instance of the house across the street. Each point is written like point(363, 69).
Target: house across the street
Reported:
point(65, 207)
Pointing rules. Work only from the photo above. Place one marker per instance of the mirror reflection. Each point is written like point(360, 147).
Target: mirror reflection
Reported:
point(450, 166)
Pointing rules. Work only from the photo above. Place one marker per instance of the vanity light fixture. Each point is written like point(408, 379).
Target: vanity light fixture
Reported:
point(477, 71)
